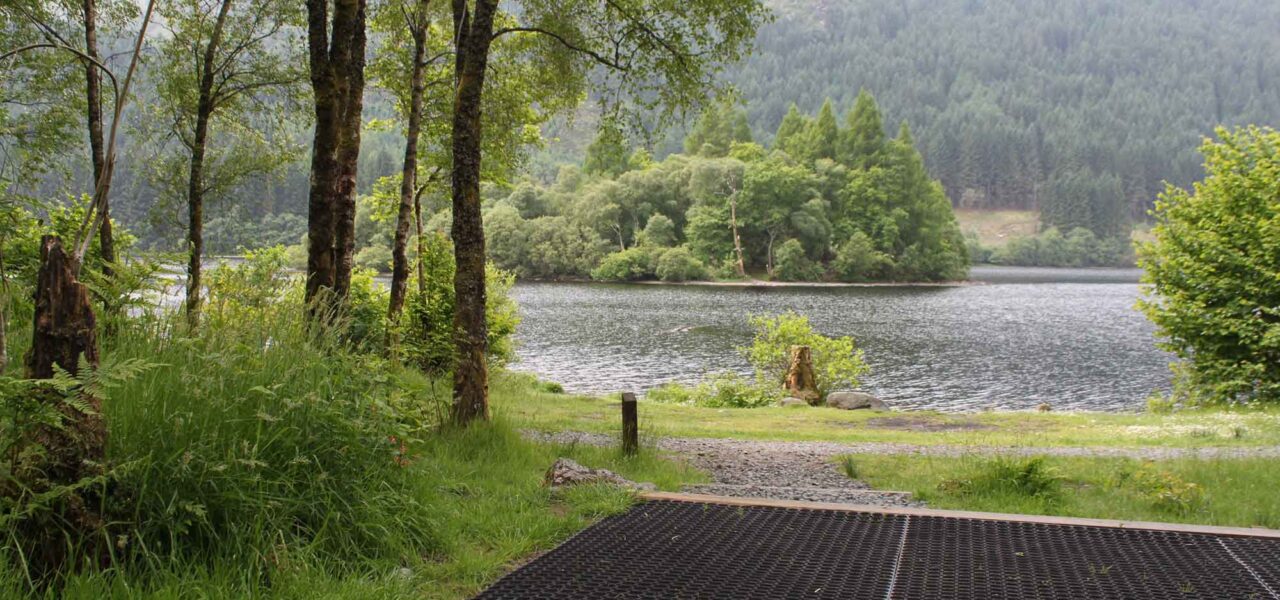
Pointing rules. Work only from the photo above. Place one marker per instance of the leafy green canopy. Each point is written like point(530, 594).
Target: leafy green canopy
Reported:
point(1214, 269)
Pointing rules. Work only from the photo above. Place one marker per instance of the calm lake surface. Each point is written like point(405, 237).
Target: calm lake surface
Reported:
point(1015, 339)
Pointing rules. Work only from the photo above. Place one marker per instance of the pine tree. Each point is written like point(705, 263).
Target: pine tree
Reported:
point(864, 139)
point(720, 126)
point(823, 134)
point(789, 138)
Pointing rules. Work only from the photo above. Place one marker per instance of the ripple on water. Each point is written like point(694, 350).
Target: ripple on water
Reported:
point(1010, 344)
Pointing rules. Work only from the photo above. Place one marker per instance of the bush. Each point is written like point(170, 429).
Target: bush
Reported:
point(837, 362)
point(660, 231)
point(720, 390)
point(1163, 490)
point(678, 264)
point(1214, 294)
point(377, 258)
point(978, 253)
point(792, 264)
point(426, 331)
point(1079, 248)
point(858, 260)
point(633, 264)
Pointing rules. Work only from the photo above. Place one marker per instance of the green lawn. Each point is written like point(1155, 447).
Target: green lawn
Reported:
point(1239, 492)
point(1187, 429)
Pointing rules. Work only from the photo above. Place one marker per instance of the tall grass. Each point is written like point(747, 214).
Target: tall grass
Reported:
point(256, 458)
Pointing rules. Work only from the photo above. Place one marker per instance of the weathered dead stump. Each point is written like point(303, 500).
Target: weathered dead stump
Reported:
point(801, 382)
point(64, 331)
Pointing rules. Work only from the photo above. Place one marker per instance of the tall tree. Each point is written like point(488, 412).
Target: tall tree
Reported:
point(226, 83)
point(823, 134)
point(93, 101)
point(415, 45)
point(336, 46)
point(864, 138)
point(657, 53)
point(788, 138)
point(415, 21)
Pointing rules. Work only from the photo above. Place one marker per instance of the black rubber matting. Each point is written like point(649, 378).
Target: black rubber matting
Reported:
point(674, 549)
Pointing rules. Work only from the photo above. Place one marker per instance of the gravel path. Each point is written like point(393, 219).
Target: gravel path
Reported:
point(806, 471)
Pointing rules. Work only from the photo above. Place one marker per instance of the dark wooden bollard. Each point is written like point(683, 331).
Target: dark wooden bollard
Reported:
point(630, 425)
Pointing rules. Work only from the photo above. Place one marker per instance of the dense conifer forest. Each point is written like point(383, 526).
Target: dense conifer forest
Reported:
point(1024, 103)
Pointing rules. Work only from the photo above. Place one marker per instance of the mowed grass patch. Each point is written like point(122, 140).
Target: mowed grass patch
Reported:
point(1237, 427)
point(1227, 492)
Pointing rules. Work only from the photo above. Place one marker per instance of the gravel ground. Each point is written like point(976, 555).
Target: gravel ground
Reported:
point(750, 470)
point(806, 471)
point(829, 449)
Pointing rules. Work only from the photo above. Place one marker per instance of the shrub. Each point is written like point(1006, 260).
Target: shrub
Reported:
point(978, 253)
point(1079, 248)
point(720, 390)
point(660, 231)
point(792, 264)
point(633, 264)
point(858, 260)
point(837, 362)
point(1164, 490)
point(377, 258)
point(678, 264)
point(427, 327)
point(1214, 296)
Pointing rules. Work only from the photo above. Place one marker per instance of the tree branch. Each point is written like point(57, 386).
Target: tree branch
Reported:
point(611, 63)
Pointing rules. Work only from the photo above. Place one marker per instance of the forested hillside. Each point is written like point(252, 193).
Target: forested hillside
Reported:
point(1080, 109)
point(1013, 100)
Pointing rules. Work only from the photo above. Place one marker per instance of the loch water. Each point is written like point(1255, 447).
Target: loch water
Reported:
point(1011, 339)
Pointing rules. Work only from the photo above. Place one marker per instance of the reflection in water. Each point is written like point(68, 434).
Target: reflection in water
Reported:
point(1012, 343)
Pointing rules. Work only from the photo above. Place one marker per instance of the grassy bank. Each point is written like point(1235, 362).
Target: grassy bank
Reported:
point(1210, 492)
point(1186, 429)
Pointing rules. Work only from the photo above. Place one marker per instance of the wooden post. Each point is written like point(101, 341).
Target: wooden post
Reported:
point(630, 425)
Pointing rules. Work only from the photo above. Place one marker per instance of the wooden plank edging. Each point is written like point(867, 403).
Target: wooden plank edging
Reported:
point(1251, 532)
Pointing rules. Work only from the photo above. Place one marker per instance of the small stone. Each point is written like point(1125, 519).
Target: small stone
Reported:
point(855, 401)
point(789, 402)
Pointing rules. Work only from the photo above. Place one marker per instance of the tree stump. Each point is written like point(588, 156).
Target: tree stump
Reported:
point(64, 330)
point(801, 382)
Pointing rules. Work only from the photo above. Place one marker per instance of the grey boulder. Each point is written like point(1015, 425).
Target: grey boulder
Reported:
point(568, 472)
point(855, 401)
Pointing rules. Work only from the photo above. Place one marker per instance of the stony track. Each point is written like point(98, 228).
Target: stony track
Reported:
point(808, 471)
